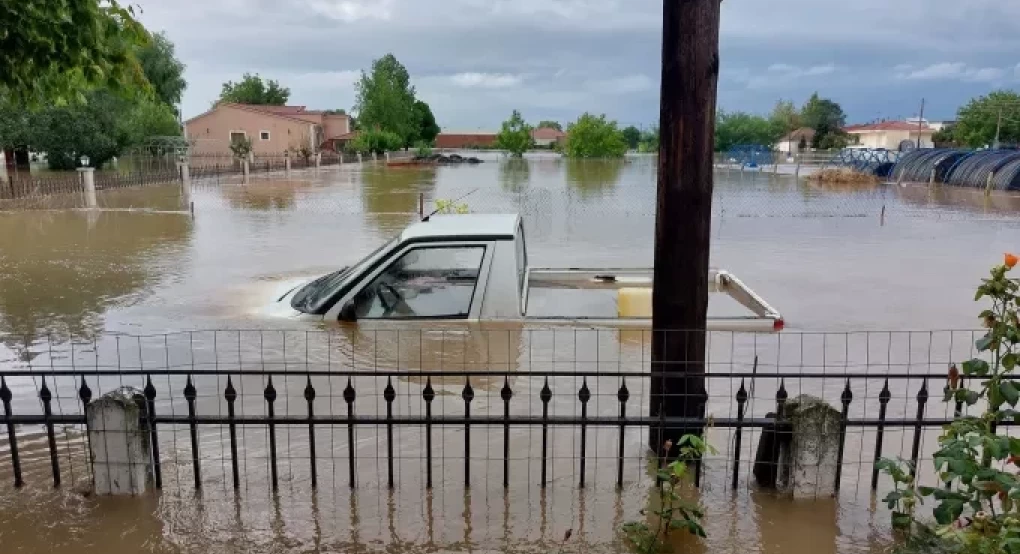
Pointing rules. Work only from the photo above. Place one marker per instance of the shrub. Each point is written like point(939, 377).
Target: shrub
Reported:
point(672, 512)
point(978, 509)
point(423, 149)
point(376, 141)
point(594, 137)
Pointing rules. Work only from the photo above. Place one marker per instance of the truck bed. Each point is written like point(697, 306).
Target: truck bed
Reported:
point(621, 297)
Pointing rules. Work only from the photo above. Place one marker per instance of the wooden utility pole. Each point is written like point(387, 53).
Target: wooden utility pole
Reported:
point(683, 220)
point(998, 131)
point(920, 124)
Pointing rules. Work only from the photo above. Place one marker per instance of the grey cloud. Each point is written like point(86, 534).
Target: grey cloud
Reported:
point(475, 60)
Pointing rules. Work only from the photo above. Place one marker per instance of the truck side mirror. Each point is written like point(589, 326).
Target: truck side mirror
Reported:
point(348, 313)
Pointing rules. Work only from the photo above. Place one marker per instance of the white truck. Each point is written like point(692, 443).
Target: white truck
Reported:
point(475, 268)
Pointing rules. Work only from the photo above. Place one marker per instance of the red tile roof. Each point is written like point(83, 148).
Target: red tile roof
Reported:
point(887, 126)
point(547, 133)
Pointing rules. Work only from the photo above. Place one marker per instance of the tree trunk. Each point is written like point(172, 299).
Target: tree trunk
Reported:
point(690, 69)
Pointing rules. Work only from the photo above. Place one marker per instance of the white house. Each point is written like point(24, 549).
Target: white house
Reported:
point(891, 135)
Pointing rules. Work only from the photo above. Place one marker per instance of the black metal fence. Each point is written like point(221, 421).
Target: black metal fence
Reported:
point(24, 185)
point(399, 408)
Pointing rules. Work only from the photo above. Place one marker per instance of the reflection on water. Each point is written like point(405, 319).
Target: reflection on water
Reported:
point(594, 178)
point(390, 197)
point(819, 254)
point(60, 271)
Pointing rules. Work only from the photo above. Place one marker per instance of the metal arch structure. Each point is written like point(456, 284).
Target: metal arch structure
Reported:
point(750, 155)
point(994, 169)
point(879, 162)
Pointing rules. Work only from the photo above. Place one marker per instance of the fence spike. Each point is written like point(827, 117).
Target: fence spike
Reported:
point(886, 395)
point(270, 395)
point(84, 392)
point(883, 405)
point(739, 437)
point(468, 394)
point(310, 398)
point(231, 395)
point(389, 395)
point(847, 395)
point(270, 392)
point(149, 390)
point(584, 395)
point(545, 396)
point(150, 414)
point(623, 395)
point(429, 394)
point(741, 393)
point(190, 393)
point(309, 391)
point(845, 399)
point(506, 392)
point(349, 393)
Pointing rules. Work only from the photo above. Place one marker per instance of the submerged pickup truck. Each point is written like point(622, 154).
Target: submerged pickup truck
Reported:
point(475, 268)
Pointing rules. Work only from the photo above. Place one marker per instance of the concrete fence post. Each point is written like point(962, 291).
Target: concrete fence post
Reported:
point(318, 160)
point(121, 454)
point(374, 156)
point(387, 157)
point(931, 180)
point(246, 169)
point(286, 165)
point(89, 181)
point(359, 157)
point(808, 461)
point(989, 183)
point(796, 172)
point(185, 172)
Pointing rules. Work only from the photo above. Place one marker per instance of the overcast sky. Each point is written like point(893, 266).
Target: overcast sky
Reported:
point(474, 61)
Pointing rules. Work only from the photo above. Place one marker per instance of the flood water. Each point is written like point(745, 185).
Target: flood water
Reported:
point(145, 284)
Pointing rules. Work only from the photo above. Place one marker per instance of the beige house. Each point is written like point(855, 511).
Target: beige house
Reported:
point(546, 136)
point(890, 135)
point(792, 143)
point(271, 129)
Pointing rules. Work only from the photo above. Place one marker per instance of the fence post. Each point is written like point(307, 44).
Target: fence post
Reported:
point(318, 160)
point(387, 154)
point(988, 184)
point(185, 172)
point(796, 173)
point(286, 164)
point(119, 445)
point(809, 462)
point(246, 169)
point(359, 157)
point(931, 180)
point(89, 179)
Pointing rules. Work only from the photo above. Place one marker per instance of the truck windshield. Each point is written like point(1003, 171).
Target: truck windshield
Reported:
point(313, 296)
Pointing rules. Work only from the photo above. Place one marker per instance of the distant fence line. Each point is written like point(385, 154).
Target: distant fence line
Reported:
point(28, 185)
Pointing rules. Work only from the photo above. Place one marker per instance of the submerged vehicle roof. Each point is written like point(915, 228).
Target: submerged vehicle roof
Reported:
point(488, 226)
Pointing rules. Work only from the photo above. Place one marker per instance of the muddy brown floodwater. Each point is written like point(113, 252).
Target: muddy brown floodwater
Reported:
point(144, 285)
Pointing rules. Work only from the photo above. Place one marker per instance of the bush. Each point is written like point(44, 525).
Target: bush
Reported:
point(979, 508)
point(594, 137)
point(515, 135)
point(376, 141)
point(423, 149)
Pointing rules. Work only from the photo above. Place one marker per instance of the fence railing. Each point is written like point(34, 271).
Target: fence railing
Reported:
point(441, 426)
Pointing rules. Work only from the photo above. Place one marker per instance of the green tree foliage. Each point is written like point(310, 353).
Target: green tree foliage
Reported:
point(340, 111)
point(977, 121)
point(734, 128)
point(147, 119)
point(649, 141)
point(594, 137)
point(427, 129)
point(547, 124)
point(52, 51)
point(945, 136)
point(386, 100)
point(15, 125)
point(251, 89)
point(379, 142)
point(786, 117)
point(825, 117)
point(633, 137)
point(162, 69)
point(515, 135)
point(94, 129)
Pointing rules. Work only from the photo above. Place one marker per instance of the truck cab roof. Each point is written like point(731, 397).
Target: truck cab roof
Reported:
point(461, 226)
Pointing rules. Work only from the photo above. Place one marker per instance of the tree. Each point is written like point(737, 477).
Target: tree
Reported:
point(339, 111)
point(736, 128)
point(594, 137)
point(515, 135)
point(977, 121)
point(785, 116)
point(547, 124)
point(427, 128)
point(649, 141)
point(633, 137)
point(822, 115)
point(386, 100)
point(162, 69)
point(376, 141)
point(147, 119)
point(52, 51)
point(95, 129)
point(251, 89)
point(945, 136)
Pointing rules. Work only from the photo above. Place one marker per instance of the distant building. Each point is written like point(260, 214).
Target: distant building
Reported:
point(796, 142)
point(546, 136)
point(891, 135)
point(272, 129)
point(466, 140)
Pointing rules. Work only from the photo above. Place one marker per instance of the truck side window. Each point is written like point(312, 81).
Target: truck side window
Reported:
point(427, 282)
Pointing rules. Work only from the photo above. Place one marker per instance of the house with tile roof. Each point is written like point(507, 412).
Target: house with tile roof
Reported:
point(891, 135)
point(272, 129)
